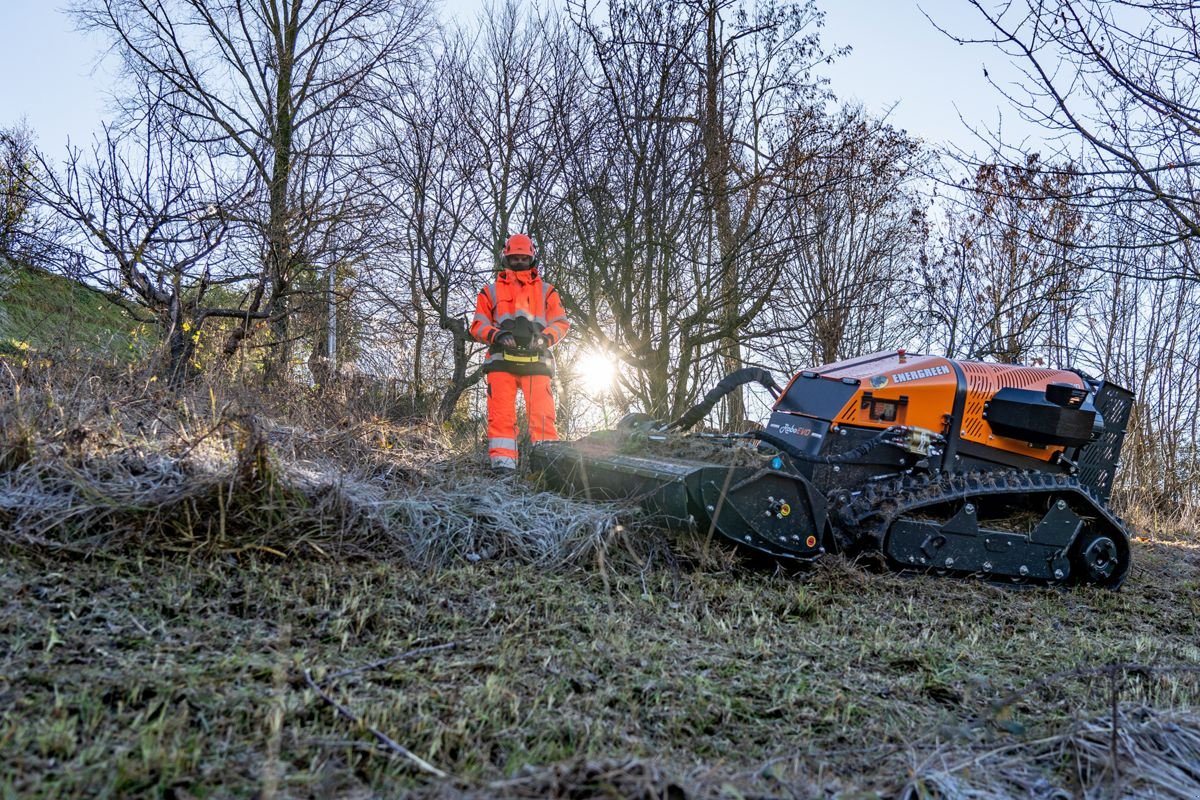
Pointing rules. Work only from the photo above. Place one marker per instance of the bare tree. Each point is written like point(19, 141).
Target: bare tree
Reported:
point(1117, 83)
point(856, 221)
point(27, 233)
point(1123, 77)
point(156, 221)
point(945, 276)
point(624, 234)
point(1146, 335)
point(500, 100)
point(1028, 241)
point(755, 72)
point(16, 173)
point(422, 282)
point(1013, 267)
point(671, 183)
point(272, 86)
point(461, 165)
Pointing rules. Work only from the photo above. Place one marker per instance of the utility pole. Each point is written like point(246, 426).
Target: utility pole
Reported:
point(331, 341)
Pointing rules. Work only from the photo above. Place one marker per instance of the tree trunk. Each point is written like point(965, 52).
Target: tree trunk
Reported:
point(460, 381)
point(280, 255)
point(181, 333)
point(717, 163)
point(418, 377)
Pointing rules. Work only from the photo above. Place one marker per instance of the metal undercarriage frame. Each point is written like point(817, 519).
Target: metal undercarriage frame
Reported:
point(958, 523)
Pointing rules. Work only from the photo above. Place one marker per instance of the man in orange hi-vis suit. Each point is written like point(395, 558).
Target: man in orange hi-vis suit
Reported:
point(520, 318)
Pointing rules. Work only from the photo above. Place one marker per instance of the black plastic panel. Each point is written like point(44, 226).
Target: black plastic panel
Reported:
point(1028, 416)
point(1098, 461)
point(818, 397)
point(808, 435)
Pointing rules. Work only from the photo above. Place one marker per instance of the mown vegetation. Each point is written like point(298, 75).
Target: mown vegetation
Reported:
point(138, 674)
point(192, 581)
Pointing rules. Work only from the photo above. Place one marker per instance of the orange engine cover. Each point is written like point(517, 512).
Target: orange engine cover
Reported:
point(898, 388)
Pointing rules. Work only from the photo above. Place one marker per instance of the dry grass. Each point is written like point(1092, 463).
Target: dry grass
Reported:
point(157, 473)
point(1157, 754)
point(519, 643)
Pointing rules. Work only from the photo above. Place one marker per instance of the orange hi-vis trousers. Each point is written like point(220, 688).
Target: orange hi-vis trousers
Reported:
point(502, 413)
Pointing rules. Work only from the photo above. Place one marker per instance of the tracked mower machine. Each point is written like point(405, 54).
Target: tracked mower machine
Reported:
point(955, 466)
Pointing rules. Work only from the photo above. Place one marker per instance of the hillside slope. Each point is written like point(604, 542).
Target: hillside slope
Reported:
point(44, 313)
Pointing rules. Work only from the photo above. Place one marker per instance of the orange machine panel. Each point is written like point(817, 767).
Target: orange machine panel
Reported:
point(984, 380)
point(899, 388)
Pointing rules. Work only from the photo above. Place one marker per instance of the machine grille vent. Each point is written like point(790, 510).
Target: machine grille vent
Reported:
point(989, 377)
point(973, 424)
point(1098, 460)
point(981, 378)
point(1021, 377)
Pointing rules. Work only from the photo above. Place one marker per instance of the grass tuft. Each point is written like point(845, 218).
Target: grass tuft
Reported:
point(158, 473)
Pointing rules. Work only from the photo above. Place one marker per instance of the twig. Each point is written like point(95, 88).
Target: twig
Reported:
point(33, 540)
point(220, 423)
point(382, 737)
point(1112, 742)
point(1092, 672)
point(341, 744)
point(383, 662)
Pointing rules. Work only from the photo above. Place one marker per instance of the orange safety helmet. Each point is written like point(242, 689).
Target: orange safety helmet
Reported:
point(519, 244)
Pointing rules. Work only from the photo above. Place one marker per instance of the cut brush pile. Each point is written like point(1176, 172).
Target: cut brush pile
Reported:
point(110, 477)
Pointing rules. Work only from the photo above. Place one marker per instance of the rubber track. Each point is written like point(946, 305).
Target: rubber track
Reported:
point(866, 515)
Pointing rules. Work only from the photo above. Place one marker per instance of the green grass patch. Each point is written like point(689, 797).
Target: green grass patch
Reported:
point(42, 313)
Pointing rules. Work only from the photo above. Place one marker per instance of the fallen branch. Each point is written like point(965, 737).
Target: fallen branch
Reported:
point(383, 662)
point(382, 737)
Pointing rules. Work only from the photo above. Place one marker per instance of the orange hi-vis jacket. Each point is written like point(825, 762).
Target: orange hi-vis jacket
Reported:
point(518, 301)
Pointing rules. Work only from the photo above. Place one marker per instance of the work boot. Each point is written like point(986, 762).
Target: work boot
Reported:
point(502, 466)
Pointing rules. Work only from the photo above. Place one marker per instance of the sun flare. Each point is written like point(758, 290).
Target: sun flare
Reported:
point(597, 370)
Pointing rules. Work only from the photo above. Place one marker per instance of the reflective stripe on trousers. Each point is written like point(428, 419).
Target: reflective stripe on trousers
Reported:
point(502, 411)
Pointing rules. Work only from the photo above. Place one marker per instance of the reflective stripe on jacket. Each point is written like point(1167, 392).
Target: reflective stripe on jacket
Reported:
point(516, 295)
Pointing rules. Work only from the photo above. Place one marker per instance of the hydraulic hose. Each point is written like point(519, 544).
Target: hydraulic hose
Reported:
point(886, 436)
point(726, 385)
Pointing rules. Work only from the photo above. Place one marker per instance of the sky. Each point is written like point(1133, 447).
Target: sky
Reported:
point(49, 79)
point(899, 62)
point(903, 65)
